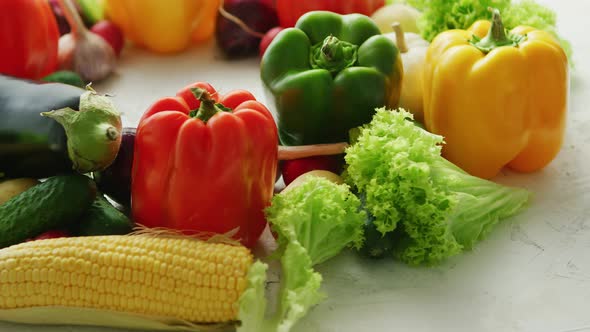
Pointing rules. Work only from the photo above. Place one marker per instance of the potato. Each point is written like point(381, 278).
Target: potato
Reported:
point(13, 187)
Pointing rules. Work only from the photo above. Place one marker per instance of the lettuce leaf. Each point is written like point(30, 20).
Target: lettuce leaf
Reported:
point(301, 287)
point(314, 222)
point(300, 291)
point(252, 303)
point(324, 217)
point(435, 208)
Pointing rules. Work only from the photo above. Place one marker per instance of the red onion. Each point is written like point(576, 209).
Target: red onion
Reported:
point(241, 24)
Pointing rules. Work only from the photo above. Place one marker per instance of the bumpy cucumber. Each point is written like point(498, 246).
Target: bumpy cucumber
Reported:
point(53, 204)
point(102, 218)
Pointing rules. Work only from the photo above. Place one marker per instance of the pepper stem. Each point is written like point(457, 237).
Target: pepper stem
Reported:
point(332, 49)
point(496, 36)
point(400, 39)
point(333, 55)
point(497, 31)
point(208, 107)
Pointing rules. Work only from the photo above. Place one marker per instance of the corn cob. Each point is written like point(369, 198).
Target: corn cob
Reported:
point(175, 277)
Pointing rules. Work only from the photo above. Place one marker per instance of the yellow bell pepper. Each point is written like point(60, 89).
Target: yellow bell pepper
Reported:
point(498, 98)
point(164, 26)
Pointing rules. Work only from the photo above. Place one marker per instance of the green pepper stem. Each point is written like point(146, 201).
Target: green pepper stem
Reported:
point(496, 36)
point(333, 55)
point(208, 107)
point(332, 49)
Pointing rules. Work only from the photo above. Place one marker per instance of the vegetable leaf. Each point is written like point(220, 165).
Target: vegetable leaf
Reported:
point(322, 216)
point(314, 222)
point(300, 291)
point(252, 303)
point(435, 208)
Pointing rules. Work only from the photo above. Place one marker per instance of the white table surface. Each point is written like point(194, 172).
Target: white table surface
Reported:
point(531, 274)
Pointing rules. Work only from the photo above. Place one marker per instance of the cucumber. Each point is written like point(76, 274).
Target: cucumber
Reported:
point(52, 204)
point(102, 218)
point(66, 77)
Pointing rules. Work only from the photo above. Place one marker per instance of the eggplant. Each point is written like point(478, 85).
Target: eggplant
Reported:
point(115, 180)
point(43, 134)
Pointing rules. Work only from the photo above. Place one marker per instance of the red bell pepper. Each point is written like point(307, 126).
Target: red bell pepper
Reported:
point(28, 39)
point(289, 11)
point(205, 163)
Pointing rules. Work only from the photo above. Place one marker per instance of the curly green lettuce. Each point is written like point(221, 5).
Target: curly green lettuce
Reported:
point(435, 208)
point(314, 221)
point(300, 291)
point(324, 217)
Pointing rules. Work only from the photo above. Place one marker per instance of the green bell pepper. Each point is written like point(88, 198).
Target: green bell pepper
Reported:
point(327, 75)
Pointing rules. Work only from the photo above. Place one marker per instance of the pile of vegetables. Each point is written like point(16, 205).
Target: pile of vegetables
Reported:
point(427, 208)
point(51, 40)
point(376, 143)
point(39, 212)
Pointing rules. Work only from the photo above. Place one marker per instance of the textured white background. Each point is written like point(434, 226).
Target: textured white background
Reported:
point(531, 274)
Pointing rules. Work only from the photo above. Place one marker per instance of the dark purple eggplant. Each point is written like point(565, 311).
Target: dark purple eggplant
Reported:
point(115, 180)
point(236, 41)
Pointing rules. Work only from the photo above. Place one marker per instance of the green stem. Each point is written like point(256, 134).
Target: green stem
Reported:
point(331, 49)
point(208, 107)
point(496, 36)
point(497, 32)
point(333, 55)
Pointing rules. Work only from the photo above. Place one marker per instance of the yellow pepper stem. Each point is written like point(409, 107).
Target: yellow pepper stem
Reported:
point(496, 36)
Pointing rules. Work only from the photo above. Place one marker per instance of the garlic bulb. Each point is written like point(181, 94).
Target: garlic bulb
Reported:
point(83, 51)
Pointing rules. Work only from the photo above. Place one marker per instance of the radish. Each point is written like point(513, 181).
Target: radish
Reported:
point(111, 33)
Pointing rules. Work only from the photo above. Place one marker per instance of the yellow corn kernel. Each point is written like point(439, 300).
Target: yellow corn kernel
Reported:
point(155, 276)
